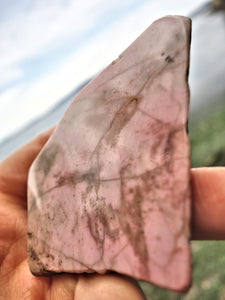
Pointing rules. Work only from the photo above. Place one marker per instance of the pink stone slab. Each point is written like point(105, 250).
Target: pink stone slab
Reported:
point(110, 190)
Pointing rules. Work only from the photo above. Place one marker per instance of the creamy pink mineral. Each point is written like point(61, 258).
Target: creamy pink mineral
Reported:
point(110, 189)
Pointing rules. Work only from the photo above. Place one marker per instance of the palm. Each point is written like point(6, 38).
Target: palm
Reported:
point(16, 280)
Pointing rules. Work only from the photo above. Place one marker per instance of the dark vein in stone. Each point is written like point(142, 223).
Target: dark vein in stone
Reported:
point(73, 179)
point(151, 117)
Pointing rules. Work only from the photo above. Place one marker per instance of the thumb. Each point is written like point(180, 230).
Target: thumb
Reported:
point(109, 286)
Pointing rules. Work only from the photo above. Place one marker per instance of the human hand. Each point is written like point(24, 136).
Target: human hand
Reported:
point(16, 280)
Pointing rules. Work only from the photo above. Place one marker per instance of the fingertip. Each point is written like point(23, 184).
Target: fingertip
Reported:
point(208, 203)
point(63, 286)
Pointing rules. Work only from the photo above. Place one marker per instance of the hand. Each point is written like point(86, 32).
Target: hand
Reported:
point(16, 280)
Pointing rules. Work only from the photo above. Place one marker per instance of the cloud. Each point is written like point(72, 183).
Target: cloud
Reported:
point(8, 97)
point(10, 116)
point(47, 25)
point(10, 74)
point(94, 31)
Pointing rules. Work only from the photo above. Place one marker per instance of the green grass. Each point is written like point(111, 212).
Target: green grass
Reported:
point(207, 136)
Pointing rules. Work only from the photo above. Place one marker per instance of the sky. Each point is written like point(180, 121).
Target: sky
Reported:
point(49, 47)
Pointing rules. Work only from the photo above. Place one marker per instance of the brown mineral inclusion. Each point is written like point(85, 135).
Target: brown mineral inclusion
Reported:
point(110, 189)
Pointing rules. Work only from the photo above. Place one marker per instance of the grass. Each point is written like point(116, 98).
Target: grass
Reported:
point(207, 136)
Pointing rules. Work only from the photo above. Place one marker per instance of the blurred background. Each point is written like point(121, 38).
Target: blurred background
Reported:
point(50, 49)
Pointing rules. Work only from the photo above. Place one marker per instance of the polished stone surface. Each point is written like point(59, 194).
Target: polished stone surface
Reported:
point(110, 189)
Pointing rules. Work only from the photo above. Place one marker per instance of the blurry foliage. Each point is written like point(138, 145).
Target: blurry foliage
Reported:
point(207, 136)
point(218, 5)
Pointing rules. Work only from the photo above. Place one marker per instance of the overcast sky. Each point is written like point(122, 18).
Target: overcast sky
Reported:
point(48, 47)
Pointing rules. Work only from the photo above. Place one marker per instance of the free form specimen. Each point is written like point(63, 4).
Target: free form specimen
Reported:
point(110, 189)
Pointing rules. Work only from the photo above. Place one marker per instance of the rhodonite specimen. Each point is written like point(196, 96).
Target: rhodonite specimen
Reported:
point(110, 189)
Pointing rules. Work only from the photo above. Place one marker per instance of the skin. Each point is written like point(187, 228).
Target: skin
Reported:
point(16, 280)
point(208, 203)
